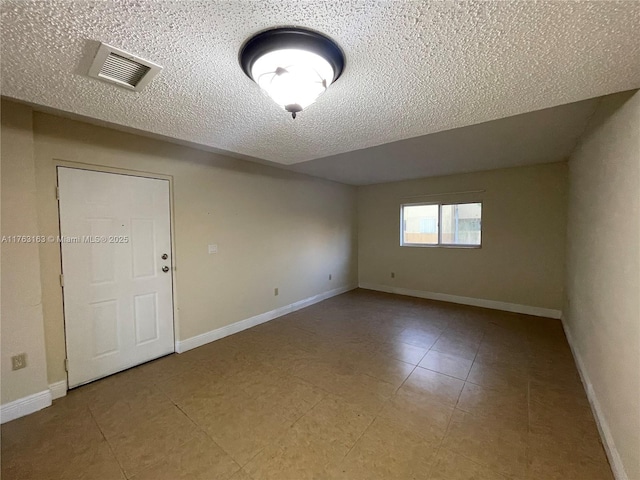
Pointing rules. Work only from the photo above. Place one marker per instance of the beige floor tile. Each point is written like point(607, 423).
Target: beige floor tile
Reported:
point(509, 336)
point(560, 393)
point(166, 367)
point(470, 336)
point(508, 321)
point(120, 381)
point(466, 322)
point(419, 337)
point(569, 422)
point(498, 376)
point(456, 347)
point(496, 443)
point(367, 392)
point(402, 351)
point(198, 459)
point(114, 413)
point(46, 430)
point(433, 386)
point(242, 425)
point(95, 460)
point(285, 395)
point(285, 357)
point(332, 392)
point(311, 342)
point(184, 388)
point(235, 356)
point(410, 410)
point(334, 419)
point(240, 475)
point(552, 458)
point(451, 466)
point(503, 356)
point(318, 440)
point(178, 389)
point(152, 439)
point(364, 390)
point(450, 365)
point(509, 402)
point(212, 397)
point(57, 442)
point(223, 347)
point(386, 452)
point(557, 371)
point(244, 437)
point(388, 370)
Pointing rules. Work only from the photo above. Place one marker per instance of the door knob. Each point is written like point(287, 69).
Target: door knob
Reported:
point(165, 269)
point(164, 256)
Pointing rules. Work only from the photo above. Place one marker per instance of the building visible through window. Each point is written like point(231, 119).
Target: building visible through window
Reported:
point(457, 224)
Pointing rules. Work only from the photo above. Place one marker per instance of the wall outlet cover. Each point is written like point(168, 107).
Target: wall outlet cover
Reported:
point(19, 361)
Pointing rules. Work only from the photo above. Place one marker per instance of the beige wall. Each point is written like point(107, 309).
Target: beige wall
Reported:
point(273, 228)
point(523, 237)
point(21, 325)
point(602, 307)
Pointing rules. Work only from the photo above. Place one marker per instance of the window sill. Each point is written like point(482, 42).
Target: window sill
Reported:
point(440, 246)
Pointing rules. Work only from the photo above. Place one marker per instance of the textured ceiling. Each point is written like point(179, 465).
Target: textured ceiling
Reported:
point(543, 136)
point(413, 68)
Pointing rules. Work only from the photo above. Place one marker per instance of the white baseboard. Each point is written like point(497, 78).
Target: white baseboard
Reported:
point(24, 406)
point(208, 337)
point(58, 389)
point(603, 427)
point(476, 302)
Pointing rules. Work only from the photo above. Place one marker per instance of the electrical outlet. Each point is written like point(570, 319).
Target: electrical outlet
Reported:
point(19, 361)
point(275, 291)
point(393, 275)
point(330, 277)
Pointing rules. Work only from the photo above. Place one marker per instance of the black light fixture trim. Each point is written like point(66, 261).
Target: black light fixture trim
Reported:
point(291, 37)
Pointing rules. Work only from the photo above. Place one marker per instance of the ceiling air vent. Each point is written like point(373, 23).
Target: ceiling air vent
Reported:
point(122, 68)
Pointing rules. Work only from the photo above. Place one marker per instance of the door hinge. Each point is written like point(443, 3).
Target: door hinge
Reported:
point(61, 280)
point(66, 364)
point(57, 193)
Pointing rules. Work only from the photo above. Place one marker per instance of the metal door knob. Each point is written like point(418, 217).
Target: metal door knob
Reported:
point(165, 269)
point(164, 256)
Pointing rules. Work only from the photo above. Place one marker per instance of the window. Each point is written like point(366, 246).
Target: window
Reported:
point(420, 224)
point(455, 224)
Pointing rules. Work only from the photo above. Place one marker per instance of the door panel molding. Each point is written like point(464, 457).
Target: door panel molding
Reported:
point(143, 314)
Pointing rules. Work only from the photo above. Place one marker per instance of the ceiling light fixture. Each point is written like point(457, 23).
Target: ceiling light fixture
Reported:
point(293, 65)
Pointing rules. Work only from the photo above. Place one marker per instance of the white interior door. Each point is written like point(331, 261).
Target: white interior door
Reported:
point(118, 302)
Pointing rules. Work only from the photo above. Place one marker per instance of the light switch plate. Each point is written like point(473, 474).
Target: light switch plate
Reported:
point(213, 249)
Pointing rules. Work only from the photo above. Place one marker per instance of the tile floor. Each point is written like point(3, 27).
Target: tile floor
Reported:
point(362, 386)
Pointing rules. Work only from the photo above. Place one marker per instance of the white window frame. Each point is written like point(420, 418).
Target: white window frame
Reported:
point(439, 244)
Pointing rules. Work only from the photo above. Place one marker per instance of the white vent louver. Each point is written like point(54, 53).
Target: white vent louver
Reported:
point(122, 68)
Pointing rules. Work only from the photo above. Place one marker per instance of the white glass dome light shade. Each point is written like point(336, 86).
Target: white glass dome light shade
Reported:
point(293, 78)
point(292, 65)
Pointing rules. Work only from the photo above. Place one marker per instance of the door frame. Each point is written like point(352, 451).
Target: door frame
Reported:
point(133, 173)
